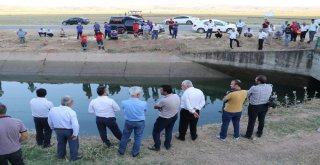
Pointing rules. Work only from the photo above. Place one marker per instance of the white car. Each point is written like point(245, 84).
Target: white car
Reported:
point(189, 20)
point(201, 26)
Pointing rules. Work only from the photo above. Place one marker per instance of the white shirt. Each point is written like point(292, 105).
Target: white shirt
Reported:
point(240, 24)
point(156, 27)
point(262, 35)
point(233, 34)
point(42, 31)
point(191, 99)
point(103, 106)
point(304, 28)
point(210, 25)
point(63, 117)
point(40, 107)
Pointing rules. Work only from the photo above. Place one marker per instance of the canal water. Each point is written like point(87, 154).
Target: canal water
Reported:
point(17, 92)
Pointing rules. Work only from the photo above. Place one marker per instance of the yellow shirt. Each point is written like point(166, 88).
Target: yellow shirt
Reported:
point(235, 101)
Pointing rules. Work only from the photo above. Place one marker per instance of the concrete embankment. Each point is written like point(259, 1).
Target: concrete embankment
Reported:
point(299, 62)
point(101, 64)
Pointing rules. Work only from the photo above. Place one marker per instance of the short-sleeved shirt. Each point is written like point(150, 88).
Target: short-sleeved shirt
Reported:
point(134, 109)
point(10, 129)
point(169, 106)
point(234, 101)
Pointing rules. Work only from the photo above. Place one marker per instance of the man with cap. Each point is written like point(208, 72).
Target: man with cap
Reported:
point(105, 108)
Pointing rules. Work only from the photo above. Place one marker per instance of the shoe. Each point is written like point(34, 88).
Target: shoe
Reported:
point(48, 146)
point(108, 144)
point(168, 147)
point(218, 137)
point(258, 135)
point(236, 139)
point(153, 148)
point(194, 138)
point(231, 48)
point(135, 155)
point(179, 138)
point(120, 153)
point(247, 137)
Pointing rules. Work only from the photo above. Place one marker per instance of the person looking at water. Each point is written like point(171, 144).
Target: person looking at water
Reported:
point(134, 116)
point(168, 114)
point(192, 101)
point(104, 109)
point(232, 110)
point(63, 120)
point(12, 132)
point(259, 95)
point(40, 107)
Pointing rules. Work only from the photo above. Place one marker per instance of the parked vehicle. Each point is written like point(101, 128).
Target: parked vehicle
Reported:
point(201, 26)
point(189, 20)
point(76, 20)
point(125, 24)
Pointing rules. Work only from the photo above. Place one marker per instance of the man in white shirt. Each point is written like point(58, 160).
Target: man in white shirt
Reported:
point(105, 108)
point(63, 120)
point(40, 108)
point(210, 25)
point(240, 25)
point(233, 37)
point(192, 102)
point(261, 36)
point(43, 32)
point(168, 113)
point(155, 31)
point(304, 29)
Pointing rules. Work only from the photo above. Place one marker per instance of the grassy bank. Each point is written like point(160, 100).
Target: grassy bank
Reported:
point(290, 138)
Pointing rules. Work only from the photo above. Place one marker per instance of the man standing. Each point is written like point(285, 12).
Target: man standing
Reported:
point(233, 37)
point(259, 96)
point(210, 25)
point(105, 108)
point(12, 132)
point(192, 101)
point(261, 36)
point(232, 110)
point(79, 30)
point(155, 31)
point(22, 36)
point(96, 27)
point(134, 110)
point(63, 120)
point(304, 29)
point(40, 108)
point(168, 109)
point(107, 30)
point(145, 31)
point(171, 24)
point(287, 35)
point(240, 25)
point(312, 30)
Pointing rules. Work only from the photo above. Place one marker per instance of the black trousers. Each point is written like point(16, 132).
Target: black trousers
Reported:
point(218, 35)
point(79, 34)
point(255, 111)
point(170, 30)
point(303, 36)
point(260, 44)
point(209, 33)
point(294, 36)
point(186, 119)
point(103, 123)
point(14, 158)
point(163, 124)
point(239, 29)
point(231, 40)
point(43, 131)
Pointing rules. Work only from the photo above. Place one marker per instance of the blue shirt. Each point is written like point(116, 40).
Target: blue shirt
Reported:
point(313, 27)
point(96, 27)
point(107, 28)
point(145, 27)
point(134, 109)
point(79, 28)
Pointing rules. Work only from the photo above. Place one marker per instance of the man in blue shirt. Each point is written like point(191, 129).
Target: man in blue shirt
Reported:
point(107, 30)
point(96, 28)
point(312, 30)
point(134, 110)
point(79, 30)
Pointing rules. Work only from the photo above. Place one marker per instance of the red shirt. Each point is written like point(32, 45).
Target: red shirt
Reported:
point(171, 23)
point(136, 27)
point(294, 28)
point(83, 38)
point(265, 24)
point(99, 36)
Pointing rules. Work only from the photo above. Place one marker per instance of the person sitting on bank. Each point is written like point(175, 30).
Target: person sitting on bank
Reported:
point(218, 34)
point(62, 33)
point(42, 32)
point(84, 42)
point(104, 109)
point(12, 132)
point(168, 113)
point(50, 33)
point(63, 120)
point(248, 33)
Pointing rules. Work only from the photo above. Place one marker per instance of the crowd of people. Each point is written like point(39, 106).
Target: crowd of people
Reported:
point(267, 32)
point(63, 119)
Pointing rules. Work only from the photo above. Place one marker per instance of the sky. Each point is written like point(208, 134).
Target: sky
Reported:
point(100, 3)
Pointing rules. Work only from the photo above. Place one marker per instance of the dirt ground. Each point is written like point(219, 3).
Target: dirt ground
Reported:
point(186, 41)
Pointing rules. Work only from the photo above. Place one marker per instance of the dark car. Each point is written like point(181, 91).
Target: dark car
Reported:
point(76, 20)
point(125, 23)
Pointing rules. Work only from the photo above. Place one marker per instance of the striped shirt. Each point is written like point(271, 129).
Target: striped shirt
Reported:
point(260, 94)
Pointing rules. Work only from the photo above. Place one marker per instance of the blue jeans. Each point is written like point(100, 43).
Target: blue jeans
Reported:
point(64, 136)
point(159, 125)
point(287, 38)
point(154, 34)
point(129, 126)
point(226, 117)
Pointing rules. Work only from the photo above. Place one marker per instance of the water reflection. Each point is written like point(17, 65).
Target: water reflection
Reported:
point(31, 87)
point(86, 87)
point(1, 91)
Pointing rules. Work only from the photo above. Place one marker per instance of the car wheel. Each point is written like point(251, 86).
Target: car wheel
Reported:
point(189, 22)
point(64, 23)
point(200, 30)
